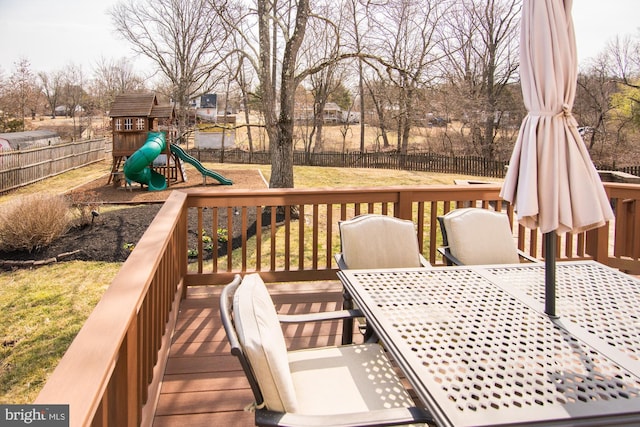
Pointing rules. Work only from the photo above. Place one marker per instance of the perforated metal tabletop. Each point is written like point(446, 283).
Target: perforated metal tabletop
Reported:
point(479, 350)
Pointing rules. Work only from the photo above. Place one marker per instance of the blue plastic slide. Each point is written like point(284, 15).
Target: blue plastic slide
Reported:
point(137, 167)
point(196, 164)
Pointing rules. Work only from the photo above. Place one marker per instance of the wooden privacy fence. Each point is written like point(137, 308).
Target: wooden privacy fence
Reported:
point(425, 162)
point(22, 167)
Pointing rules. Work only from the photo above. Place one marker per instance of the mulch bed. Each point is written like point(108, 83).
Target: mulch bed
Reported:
point(114, 231)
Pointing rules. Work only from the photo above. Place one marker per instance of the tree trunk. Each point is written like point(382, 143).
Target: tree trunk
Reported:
point(381, 119)
point(282, 156)
point(318, 116)
point(487, 140)
point(318, 147)
point(407, 101)
point(282, 144)
point(247, 118)
point(361, 90)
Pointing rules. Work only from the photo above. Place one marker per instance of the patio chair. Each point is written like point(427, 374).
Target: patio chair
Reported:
point(474, 236)
point(378, 241)
point(375, 241)
point(340, 385)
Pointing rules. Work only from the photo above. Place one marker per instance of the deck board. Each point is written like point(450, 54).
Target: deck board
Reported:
point(203, 384)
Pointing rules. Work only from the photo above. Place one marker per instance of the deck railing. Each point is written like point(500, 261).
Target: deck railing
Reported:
point(110, 374)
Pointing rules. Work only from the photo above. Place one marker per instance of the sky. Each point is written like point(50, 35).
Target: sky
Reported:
point(52, 34)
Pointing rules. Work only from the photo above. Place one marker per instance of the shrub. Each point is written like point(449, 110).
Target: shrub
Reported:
point(84, 204)
point(33, 222)
point(11, 125)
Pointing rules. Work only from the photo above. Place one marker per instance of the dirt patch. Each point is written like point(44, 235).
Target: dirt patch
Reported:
point(135, 193)
point(113, 233)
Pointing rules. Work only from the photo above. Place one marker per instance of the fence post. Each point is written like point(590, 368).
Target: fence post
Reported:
point(403, 207)
point(597, 244)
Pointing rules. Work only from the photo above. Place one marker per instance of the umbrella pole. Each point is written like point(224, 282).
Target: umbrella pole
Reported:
point(550, 274)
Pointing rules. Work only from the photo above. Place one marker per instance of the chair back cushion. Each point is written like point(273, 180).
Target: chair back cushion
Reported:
point(263, 342)
point(480, 236)
point(379, 241)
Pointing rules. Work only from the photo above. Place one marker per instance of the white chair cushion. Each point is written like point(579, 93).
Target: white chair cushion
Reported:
point(261, 337)
point(480, 236)
point(346, 379)
point(379, 241)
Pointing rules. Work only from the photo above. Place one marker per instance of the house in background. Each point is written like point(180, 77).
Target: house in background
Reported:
point(333, 114)
point(213, 131)
point(64, 110)
point(207, 107)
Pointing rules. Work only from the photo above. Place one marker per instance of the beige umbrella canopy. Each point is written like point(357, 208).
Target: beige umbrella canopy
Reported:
point(551, 180)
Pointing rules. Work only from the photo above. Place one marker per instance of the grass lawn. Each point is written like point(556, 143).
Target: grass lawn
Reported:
point(44, 308)
point(42, 311)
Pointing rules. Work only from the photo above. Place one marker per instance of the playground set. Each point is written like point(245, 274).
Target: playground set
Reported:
point(142, 132)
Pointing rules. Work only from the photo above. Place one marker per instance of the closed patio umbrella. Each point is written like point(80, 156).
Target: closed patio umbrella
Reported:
point(551, 180)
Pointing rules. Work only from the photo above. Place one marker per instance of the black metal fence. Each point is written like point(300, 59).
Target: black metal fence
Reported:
point(424, 162)
point(633, 170)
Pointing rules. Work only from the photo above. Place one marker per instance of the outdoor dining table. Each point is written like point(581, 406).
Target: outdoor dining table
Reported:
point(478, 349)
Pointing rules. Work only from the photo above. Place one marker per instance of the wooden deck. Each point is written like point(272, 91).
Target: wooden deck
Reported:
point(203, 383)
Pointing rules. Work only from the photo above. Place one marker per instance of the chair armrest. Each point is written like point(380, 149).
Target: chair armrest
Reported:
point(342, 266)
point(340, 261)
point(527, 257)
point(320, 317)
point(379, 417)
point(424, 262)
point(451, 260)
point(446, 253)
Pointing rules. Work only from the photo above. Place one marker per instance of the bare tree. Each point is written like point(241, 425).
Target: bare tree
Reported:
point(482, 47)
point(182, 37)
point(381, 96)
point(607, 103)
point(3, 102)
point(359, 20)
point(52, 84)
point(262, 28)
point(280, 129)
point(233, 67)
point(407, 37)
point(22, 92)
point(321, 43)
point(623, 59)
point(593, 99)
point(238, 18)
point(74, 96)
point(273, 35)
point(114, 77)
point(623, 56)
point(244, 84)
